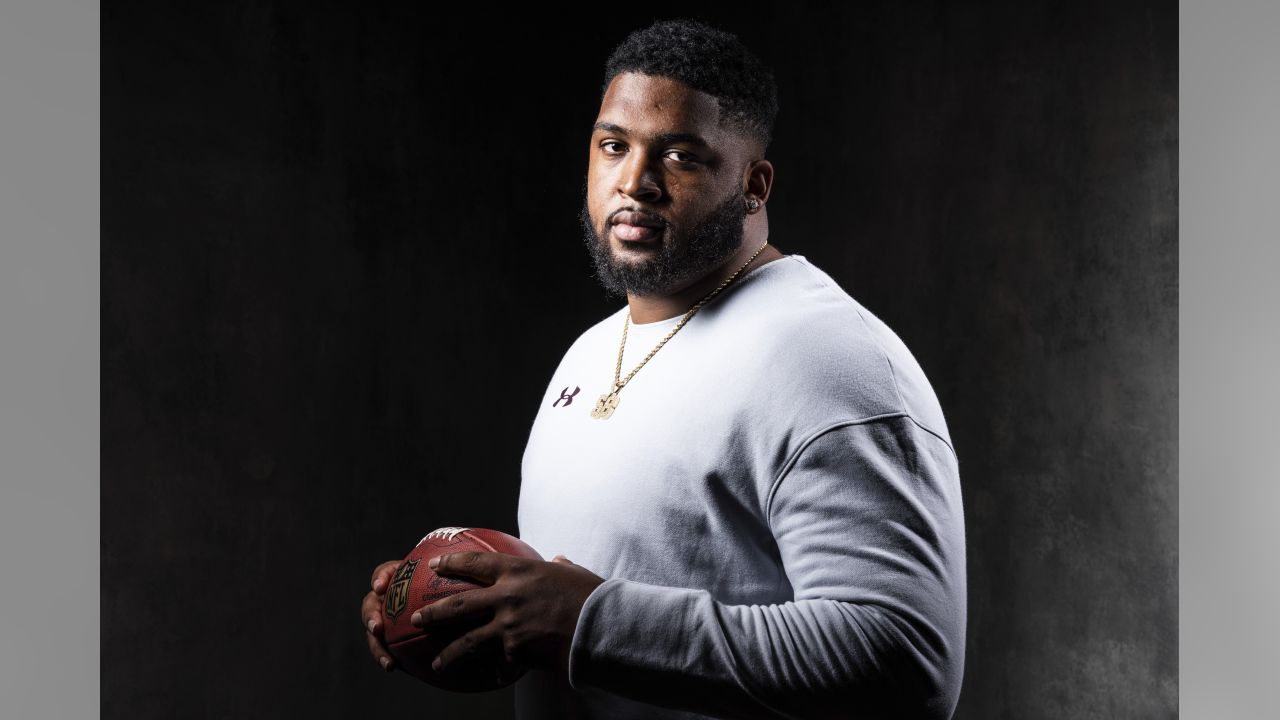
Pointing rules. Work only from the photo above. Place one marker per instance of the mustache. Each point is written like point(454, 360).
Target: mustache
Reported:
point(634, 217)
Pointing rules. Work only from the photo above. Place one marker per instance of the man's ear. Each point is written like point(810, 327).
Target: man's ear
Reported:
point(759, 179)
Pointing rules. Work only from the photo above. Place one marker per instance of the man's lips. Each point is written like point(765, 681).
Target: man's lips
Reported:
point(631, 217)
point(635, 233)
point(632, 226)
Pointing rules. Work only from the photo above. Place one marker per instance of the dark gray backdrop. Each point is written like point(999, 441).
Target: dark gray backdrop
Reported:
point(340, 260)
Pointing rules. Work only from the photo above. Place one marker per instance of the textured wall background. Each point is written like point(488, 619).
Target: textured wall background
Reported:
point(340, 260)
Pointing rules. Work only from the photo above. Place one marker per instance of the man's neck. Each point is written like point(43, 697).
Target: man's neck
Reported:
point(654, 308)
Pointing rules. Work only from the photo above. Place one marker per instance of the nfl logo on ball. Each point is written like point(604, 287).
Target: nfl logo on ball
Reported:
point(398, 595)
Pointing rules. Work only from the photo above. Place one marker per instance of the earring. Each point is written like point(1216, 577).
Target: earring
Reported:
point(753, 203)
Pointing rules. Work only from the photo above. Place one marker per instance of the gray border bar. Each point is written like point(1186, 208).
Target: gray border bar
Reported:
point(1229, 217)
point(49, 358)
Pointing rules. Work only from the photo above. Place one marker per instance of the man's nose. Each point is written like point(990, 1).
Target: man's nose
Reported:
point(639, 180)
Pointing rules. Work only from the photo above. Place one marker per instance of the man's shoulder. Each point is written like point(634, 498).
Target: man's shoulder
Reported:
point(814, 339)
point(799, 316)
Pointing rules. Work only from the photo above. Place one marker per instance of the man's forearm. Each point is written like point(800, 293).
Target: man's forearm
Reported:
point(813, 658)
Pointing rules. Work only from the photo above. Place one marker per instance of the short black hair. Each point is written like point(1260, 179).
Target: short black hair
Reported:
point(706, 59)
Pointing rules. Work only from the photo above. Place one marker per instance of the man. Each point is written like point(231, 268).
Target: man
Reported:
point(756, 486)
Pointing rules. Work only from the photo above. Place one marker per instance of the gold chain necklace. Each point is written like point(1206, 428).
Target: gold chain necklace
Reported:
point(609, 401)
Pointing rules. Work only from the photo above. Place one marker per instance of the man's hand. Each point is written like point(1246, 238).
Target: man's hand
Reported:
point(371, 613)
point(534, 606)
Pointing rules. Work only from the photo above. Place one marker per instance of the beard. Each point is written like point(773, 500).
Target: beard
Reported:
point(682, 257)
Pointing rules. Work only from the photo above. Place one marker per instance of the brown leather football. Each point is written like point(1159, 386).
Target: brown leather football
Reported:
point(414, 585)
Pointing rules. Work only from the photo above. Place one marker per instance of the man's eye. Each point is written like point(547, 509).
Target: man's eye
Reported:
point(679, 156)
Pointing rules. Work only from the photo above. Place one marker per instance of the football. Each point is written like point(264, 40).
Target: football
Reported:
point(414, 585)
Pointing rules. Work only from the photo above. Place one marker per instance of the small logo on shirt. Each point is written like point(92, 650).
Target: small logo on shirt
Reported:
point(567, 396)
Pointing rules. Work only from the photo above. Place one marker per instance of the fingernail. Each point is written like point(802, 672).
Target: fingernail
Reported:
point(372, 625)
point(435, 664)
point(417, 618)
point(434, 562)
point(386, 663)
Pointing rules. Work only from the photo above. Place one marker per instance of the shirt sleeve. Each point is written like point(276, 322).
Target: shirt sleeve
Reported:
point(869, 525)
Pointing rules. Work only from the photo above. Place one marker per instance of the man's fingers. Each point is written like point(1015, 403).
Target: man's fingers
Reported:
point(483, 566)
point(379, 652)
point(371, 614)
point(382, 576)
point(471, 645)
point(476, 603)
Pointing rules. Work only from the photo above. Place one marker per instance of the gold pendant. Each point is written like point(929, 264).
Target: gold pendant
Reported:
point(605, 406)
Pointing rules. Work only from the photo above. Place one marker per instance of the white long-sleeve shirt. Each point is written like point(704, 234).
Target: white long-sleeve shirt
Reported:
point(775, 505)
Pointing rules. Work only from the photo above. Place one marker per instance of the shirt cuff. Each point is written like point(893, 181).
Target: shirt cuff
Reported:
point(620, 624)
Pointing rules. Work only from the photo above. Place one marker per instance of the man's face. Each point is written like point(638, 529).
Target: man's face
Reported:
point(658, 156)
